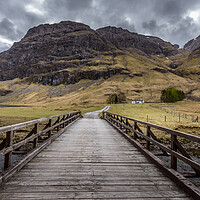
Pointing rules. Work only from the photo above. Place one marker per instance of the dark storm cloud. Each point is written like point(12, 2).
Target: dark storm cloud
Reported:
point(173, 8)
point(3, 46)
point(8, 30)
point(151, 25)
point(169, 19)
point(126, 25)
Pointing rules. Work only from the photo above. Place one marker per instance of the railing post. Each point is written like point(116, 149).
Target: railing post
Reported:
point(148, 135)
point(127, 125)
point(67, 120)
point(35, 141)
point(174, 148)
point(63, 119)
point(58, 127)
point(135, 128)
point(8, 156)
point(70, 115)
point(103, 115)
point(121, 122)
point(117, 118)
point(49, 125)
point(80, 113)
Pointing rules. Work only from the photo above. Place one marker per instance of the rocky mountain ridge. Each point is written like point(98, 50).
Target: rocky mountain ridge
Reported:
point(71, 61)
point(64, 53)
point(192, 44)
point(123, 39)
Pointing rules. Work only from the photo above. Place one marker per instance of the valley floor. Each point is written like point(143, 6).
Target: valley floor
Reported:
point(183, 116)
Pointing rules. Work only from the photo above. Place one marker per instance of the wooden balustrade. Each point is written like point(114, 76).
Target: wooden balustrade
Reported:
point(43, 131)
point(175, 149)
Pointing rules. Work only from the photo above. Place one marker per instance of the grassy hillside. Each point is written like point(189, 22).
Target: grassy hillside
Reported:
point(141, 77)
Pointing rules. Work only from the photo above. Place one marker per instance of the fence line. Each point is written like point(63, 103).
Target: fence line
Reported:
point(193, 118)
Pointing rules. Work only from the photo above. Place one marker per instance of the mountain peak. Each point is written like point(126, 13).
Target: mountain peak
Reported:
point(55, 53)
point(192, 44)
point(113, 29)
point(62, 27)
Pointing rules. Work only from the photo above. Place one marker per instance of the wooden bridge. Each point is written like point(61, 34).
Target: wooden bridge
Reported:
point(91, 160)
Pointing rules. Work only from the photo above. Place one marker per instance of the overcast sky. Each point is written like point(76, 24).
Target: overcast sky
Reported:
point(176, 21)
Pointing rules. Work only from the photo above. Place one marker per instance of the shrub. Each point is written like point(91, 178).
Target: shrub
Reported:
point(113, 99)
point(121, 97)
point(172, 95)
point(116, 98)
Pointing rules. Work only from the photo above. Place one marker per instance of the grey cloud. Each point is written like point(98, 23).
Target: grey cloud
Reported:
point(126, 24)
point(150, 26)
point(174, 9)
point(15, 20)
point(185, 30)
point(3, 46)
point(8, 30)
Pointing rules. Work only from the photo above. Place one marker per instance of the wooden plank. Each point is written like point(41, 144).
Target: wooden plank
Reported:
point(93, 195)
point(8, 156)
point(175, 176)
point(31, 138)
point(85, 188)
point(91, 160)
point(173, 153)
point(5, 175)
point(174, 148)
point(36, 129)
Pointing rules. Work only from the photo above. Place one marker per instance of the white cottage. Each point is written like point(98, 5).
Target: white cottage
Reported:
point(137, 101)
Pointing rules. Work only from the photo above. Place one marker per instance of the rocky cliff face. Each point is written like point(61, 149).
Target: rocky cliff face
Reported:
point(123, 39)
point(64, 52)
point(192, 44)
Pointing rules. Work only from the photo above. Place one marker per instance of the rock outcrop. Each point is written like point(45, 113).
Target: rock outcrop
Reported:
point(123, 39)
point(57, 53)
point(192, 44)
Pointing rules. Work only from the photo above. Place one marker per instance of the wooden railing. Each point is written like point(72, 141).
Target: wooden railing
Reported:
point(37, 134)
point(175, 149)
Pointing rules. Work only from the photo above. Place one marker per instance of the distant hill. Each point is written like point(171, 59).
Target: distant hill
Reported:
point(64, 51)
point(192, 44)
point(81, 61)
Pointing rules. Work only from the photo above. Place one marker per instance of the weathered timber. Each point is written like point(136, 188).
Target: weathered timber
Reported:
point(8, 156)
point(168, 130)
point(172, 151)
point(151, 139)
point(32, 137)
point(91, 160)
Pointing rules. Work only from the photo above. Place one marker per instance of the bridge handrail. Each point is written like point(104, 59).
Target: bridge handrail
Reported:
point(162, 128)
point(176, 150)
point(7, 146)
point(28, 123)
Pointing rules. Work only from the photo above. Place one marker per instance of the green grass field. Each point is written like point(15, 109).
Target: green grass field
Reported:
point(158, 113)
point(162, 114)
point(13, 115)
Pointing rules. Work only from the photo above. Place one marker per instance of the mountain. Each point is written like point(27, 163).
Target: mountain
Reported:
point(71, 61)
point(192, 44)
point(123, 39)
point(57, 49)
point(59, 53)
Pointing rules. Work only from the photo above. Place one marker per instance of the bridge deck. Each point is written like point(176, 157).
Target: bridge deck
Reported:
point(91, 160)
